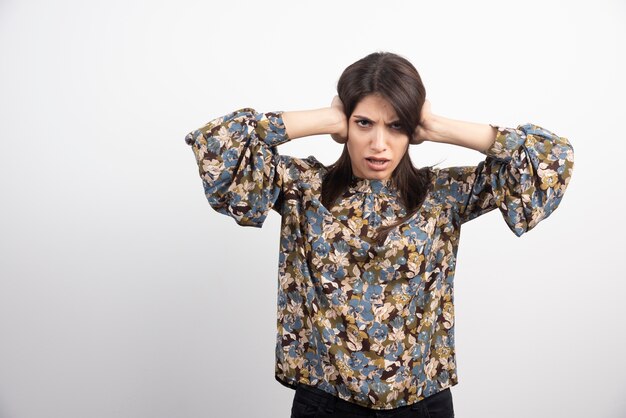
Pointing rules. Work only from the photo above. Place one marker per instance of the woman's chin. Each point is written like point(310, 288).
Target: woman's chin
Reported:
point(376, 175)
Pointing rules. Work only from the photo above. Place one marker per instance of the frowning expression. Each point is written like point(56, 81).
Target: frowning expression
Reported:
point(376, 142)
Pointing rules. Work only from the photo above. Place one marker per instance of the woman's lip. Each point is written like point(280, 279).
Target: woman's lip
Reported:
point(377, 167)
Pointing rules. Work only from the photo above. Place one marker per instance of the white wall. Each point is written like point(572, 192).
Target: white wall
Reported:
point(123, 294)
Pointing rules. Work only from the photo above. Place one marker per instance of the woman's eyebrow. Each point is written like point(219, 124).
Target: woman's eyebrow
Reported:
point(365, 117)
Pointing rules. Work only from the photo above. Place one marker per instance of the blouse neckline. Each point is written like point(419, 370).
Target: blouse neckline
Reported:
point(372, 186)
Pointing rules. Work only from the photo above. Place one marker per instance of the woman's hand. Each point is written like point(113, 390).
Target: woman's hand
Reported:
point(424, 130)
point(341, 132)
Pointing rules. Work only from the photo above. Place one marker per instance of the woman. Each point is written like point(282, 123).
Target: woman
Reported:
point(368, 244)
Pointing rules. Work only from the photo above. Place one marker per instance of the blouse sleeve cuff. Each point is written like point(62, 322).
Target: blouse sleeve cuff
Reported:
point(271, 129)
point(507, 140)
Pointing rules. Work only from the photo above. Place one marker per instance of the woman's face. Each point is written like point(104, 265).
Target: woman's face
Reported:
point(375, 134)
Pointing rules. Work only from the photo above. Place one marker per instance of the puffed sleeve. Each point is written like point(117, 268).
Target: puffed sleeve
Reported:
point(525, 175)
point(239, 163)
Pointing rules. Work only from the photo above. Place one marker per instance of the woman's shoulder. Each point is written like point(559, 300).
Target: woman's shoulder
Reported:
point(446, 176)
point(450, 184)
point(302, 164)
point(301, 170)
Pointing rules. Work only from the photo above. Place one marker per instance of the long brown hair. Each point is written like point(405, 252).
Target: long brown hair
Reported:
point(395, 79)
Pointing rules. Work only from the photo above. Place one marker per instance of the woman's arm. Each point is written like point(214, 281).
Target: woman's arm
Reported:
point(329, 120)
point(303, 123)
point(239, 164)
point(525, 173)
point(437, 128)
point(241, 169)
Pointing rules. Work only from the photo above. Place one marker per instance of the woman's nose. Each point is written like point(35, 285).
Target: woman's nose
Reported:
point(379, 141)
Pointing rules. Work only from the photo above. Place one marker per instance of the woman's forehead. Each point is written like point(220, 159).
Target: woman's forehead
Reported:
point(375, 106)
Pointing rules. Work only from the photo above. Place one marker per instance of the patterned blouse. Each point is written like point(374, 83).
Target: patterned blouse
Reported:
point(373, 325)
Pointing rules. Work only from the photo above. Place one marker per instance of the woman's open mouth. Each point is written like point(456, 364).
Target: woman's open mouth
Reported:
point(377, 164)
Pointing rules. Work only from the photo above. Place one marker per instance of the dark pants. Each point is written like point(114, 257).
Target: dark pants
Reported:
point(310, 402)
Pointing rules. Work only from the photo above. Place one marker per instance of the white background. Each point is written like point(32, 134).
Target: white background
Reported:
point(123, 294)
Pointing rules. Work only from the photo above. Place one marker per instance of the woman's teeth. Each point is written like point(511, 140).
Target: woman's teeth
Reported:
point(378, 162)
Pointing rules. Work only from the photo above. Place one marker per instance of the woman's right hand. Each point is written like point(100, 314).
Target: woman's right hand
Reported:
point(341, 132)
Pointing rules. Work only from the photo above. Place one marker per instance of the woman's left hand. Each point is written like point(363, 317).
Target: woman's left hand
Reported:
point(424, 129)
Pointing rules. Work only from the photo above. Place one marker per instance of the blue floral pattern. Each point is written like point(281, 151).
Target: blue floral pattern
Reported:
point(371, 324)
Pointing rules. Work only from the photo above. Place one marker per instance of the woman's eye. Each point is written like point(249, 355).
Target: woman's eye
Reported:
point(396, 126)
point(362, 122)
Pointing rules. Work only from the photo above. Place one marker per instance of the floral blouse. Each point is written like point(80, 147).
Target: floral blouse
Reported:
point(373, 325)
